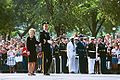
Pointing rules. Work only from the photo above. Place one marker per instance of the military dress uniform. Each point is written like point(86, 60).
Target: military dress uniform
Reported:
point(63, 53)
point(81, 51)
point(91, 57)
point(71, 54)
point(102, 50)
point(57, 59)
point(46, 50)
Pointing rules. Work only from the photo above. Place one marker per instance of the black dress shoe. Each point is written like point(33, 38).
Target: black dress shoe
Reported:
point(29, 74)
point(98, 72)
point(47, 74)
point(72, 72)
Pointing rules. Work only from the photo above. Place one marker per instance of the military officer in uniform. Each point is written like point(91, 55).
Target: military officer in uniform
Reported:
point(46, 49)
point(81, 51)
point(63, 53)
point(56, 56)
point(71, 53)
point(91, 56)
point(102, 50)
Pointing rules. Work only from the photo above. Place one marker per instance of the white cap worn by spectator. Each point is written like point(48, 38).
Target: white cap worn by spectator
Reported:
point(76, 38)
point(71, 37)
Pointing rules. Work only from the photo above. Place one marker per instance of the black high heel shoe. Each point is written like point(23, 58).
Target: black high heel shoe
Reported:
point(33, 74)
point(29, 74)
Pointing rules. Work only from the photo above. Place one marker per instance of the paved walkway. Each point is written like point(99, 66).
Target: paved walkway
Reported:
point(20, 76)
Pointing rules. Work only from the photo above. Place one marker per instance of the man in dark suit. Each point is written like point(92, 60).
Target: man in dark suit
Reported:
point(46, 49)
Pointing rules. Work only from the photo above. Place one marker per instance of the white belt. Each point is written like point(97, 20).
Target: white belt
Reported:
point(92, 51)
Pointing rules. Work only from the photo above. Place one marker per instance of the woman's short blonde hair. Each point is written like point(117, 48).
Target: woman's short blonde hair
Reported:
point(31, 29)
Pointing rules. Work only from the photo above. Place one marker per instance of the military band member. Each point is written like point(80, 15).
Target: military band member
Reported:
point(63, 53)
point(81, 51)
point(56, 56)
point(102, 50)
point(91, 56)
point(46, 49)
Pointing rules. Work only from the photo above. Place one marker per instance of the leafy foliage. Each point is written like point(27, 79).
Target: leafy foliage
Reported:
point(6, 17)
point(83, 16)
point(111, 10)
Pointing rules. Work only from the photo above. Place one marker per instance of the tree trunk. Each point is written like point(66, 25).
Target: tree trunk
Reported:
point(8, 37)
point(94, 23)
point(95, 31)
point(94, 34)
point(57, 29)
point(4, 36)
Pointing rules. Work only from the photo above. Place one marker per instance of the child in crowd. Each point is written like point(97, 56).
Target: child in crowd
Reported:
point(11, 59)
point(39, 56)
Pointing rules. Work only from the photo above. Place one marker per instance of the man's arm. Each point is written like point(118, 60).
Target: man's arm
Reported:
point(41, 37)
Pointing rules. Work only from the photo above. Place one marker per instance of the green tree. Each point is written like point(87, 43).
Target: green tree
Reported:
point(90, 15)
point(27, 14)
point(67, 15)
point(60, 14)
point(83, 16)
point(110, 8)
point(6, 18)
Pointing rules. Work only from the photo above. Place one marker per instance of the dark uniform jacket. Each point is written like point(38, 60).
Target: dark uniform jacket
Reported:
point(45, 46)
point(92, 50)
point(62, 48)
point(56, 50)
point(81, 49)
point(102, 50)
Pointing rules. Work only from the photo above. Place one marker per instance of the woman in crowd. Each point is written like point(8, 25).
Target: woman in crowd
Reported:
point(39, 58)
point(31, 42)
point(25, 56)
point(115, 53)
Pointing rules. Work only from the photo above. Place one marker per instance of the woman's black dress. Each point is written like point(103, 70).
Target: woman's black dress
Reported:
point(31, 42)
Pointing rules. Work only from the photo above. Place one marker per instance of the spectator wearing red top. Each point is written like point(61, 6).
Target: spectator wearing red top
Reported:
point(25, 57)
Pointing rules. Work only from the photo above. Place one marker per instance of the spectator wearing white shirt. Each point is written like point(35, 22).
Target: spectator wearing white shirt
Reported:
point(11, 59)
point(18, 58)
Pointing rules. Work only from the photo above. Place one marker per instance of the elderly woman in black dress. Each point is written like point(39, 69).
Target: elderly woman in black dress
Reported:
point(31, 42)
